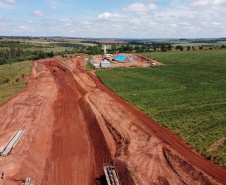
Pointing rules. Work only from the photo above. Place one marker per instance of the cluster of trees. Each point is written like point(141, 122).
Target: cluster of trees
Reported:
point(140, 49)
point(126, 48)
point(91, 41)
point(11, 55)
point(17, 54)
point(94, 50)
point(35, 55)
point(181, 48)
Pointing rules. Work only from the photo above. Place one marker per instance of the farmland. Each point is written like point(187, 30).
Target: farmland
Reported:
point(187, 96)
point(77, 114)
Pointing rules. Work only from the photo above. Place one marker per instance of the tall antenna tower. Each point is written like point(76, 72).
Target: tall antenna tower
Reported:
point(105, 49)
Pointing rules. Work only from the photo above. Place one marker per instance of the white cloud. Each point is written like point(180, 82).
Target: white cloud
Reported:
point(104, 16)
point(4, 19)
point(5, 5)
point(207, 2)
point(209, 5)
point(140, 8)
point(111, 17)
point(9, 1)
point(22, 27)
point(53, 7)
point(66, 22)
point(29, 22)
point(86, 23)
point(38, 13)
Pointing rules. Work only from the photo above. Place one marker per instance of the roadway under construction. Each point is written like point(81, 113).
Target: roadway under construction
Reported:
point(73, 122)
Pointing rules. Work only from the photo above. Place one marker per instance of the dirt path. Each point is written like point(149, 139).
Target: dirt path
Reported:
point(74, 124)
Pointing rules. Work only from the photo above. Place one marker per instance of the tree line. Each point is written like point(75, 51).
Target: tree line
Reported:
point(16, 54)
point(10, 55)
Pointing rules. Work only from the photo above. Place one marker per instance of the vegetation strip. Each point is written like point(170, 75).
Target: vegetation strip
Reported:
point(10, 75)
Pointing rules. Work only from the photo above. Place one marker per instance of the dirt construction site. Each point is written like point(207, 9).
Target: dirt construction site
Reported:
point(73, 124)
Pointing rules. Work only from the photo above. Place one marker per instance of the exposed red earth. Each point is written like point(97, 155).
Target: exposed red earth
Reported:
point(142, 58)
point(74, 124)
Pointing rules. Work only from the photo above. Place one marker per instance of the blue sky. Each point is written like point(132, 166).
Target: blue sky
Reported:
point(114, 18)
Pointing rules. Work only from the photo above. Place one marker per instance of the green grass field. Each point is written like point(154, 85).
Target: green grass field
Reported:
point(9, 78)
point(187, 95)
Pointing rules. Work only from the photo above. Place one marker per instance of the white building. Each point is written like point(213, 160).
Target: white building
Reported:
point(105, 63)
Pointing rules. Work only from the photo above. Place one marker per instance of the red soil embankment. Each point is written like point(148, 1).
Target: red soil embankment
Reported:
point(31, 111)
point(100, 147)
point(149, 60)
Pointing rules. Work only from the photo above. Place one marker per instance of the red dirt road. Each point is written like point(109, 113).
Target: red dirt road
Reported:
point(74, 124)
point(70, 157)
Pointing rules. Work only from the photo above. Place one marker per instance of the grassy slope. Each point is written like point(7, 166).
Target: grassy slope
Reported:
point(12, 72)
point(187, 95)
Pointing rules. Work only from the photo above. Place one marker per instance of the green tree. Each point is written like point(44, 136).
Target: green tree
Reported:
point(169, 47)
point(137, 48)
point(113, 48)
point(163, 48)
point(179, 48)
point(154, 47)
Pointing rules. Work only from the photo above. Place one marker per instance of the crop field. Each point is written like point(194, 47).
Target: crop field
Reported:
point(186, 95)
point(10, 76)
point(196, 44)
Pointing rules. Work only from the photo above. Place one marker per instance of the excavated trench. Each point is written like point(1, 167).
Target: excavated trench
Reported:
point(78, 148)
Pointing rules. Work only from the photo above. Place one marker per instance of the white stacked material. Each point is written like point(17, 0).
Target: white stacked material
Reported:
point(111, 175)
point(13, 142)
point(28, 181)
point(18, 138)
point(107, 176)
point(3, 148)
